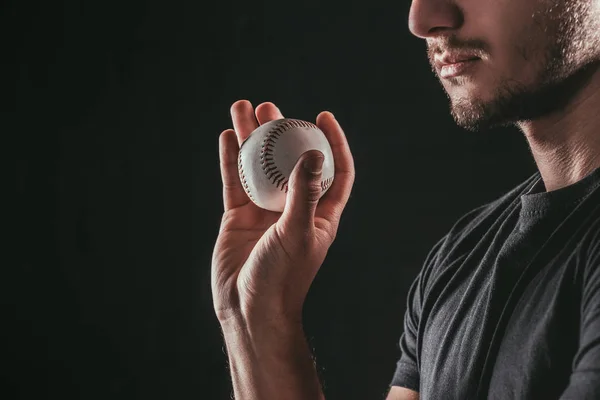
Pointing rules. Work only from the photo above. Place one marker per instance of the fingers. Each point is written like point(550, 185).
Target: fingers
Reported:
point(304, 193)
point(266, 112)
point(233, 192)
point(333, 202)
point(244, 122)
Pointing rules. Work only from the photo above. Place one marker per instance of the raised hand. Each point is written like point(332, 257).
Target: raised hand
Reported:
point(263, 261)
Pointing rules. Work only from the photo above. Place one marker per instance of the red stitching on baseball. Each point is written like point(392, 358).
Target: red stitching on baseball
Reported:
point(243, 177)
point(273, 173)
point(326, 183)
point(267, 157)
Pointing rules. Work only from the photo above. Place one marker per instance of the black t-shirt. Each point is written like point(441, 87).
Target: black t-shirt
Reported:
point(507, 304)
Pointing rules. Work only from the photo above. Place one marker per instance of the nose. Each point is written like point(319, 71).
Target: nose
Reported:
point(430, 18)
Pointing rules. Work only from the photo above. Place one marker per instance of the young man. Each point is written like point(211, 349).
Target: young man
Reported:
point(507, 305)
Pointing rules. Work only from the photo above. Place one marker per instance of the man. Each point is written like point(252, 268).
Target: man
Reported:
point(507, 305)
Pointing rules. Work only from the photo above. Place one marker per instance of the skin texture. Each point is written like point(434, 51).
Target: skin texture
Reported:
point(264, 262)
point(542, 74)
point(523, 71)
point(537, 67)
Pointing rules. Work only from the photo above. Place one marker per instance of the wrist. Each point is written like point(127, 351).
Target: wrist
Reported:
point(260, 319)
point(257, 328)
point(270, 358)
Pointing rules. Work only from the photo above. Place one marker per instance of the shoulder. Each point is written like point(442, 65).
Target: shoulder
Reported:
point(480, 219)
point(472, 225)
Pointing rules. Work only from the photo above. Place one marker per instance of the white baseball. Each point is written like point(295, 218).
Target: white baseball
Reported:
point(268, 156)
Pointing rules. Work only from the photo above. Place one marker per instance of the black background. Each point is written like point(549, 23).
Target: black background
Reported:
point(112, 113)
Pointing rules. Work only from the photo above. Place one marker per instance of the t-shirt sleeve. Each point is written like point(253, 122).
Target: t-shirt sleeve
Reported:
point(584, 382)
point(407, 367)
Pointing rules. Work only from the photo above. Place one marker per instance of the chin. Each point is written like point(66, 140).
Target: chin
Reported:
point(475, 114)
point(476, 105)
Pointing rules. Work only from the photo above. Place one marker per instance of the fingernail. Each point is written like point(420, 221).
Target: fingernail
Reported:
point(314, 164)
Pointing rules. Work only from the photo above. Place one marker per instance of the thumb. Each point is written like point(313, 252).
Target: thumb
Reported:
point(304, 191)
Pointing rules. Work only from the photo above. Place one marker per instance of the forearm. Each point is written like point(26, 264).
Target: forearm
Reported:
point(271, 362)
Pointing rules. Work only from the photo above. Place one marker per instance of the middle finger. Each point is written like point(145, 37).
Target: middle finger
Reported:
point(266, 112)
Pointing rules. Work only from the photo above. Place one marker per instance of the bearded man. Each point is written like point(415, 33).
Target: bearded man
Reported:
point(507, 303)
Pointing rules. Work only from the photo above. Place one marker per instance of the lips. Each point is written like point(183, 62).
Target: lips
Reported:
point(454, 64)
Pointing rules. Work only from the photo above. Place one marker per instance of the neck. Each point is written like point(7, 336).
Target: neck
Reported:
point(566, 143)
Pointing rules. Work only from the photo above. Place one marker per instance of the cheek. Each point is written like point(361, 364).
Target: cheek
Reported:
point(516, 39)
point(518, 54)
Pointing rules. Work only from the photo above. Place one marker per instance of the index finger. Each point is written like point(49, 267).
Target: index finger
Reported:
point(244, 121)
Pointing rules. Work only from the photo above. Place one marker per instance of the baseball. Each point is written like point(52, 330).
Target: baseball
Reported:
point(268, 156)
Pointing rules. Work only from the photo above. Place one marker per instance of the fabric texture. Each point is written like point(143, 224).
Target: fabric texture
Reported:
point(507, 303)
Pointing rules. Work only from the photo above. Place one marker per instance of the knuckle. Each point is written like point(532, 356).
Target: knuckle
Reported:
point(313, 190)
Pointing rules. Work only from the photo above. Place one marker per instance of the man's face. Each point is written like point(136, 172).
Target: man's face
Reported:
point(521, 58)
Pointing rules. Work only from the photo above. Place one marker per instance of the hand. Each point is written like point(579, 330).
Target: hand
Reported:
point(263, 261)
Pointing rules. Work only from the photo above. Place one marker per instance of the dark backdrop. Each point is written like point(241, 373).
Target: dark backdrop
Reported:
point(111, 111)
